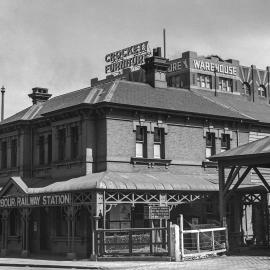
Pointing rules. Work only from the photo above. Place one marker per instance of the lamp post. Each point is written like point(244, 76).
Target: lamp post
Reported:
point(215, 72)
point(3, 90)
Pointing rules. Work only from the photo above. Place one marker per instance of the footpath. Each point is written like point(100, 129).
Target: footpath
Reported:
point(258, 260)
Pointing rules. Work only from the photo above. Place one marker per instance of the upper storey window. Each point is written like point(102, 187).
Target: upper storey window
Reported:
point(225, 84)
point(204, 81)
point(225, 142)
point(74, 142)
point(246, 88)
point(210, 144)
point(159, 143)
point(262, 91)
point(141, 142)
point(41, 142)
point(61, 144)
point(14, 153)
point(4, 155)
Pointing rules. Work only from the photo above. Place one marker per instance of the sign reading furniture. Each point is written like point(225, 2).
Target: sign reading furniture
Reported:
point(35, 200)
point(126, 58)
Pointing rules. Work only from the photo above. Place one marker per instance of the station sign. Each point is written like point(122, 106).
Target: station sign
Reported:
point(35, 200)
point(126, 58)
point(156, 212)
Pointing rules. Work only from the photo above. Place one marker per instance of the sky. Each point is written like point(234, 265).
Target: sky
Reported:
point(61, 44)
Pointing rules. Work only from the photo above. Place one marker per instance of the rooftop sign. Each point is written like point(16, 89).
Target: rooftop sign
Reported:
point(126, 58)
point(204, 65)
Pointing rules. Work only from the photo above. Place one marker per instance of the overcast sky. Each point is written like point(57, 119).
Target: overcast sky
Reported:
point(61, 44)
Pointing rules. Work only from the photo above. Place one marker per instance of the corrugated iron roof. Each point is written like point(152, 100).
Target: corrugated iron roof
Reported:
point(128, 181)
point(256, 148)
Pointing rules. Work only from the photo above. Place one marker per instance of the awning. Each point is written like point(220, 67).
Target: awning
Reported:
point(160, 181)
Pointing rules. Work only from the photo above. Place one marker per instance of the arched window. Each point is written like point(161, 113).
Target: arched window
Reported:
point(246, 88)
point(262, 91)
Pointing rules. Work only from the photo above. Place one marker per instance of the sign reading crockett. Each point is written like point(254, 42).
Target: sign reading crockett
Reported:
point(125, 58)
point(35, 200)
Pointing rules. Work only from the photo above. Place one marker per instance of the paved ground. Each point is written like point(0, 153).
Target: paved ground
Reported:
point(256, 260)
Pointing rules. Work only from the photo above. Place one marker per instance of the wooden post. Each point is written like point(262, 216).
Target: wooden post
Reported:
point(4, 220)
point(174, 242)
point(71, 215)
point(221, 180)
point(25, 213)
point(198, 242)
point(130, 242)
point(213, 240)
point(181, 231)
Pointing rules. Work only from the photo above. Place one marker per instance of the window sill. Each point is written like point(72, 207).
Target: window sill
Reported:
point(209, 164)
point(151, 162)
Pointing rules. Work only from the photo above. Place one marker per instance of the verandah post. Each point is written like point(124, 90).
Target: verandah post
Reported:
point(181, 236)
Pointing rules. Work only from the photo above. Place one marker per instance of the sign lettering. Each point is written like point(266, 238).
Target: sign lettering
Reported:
point(35, 200)
point(156, 212)
point(220, 68)
point(125, 58)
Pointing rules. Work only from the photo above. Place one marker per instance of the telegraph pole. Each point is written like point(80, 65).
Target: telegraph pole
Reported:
point(3, 90)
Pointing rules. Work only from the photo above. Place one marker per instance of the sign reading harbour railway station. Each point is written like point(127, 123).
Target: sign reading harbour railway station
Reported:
point(126, 58)
point(35, 200)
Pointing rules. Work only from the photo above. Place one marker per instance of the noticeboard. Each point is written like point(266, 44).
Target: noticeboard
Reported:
point(156, 212)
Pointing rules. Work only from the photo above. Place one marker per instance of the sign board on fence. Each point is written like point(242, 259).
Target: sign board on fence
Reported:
point(156, 212)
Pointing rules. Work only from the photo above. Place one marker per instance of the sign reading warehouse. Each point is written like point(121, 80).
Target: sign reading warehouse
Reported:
point(126, 58)
point(35, 200)
point(204, 65)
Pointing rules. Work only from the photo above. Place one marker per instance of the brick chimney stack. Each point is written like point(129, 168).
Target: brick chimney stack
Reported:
point(155, 69)
point(39, 95)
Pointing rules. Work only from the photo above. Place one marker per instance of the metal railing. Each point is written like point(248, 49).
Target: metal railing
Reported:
point(146, 241)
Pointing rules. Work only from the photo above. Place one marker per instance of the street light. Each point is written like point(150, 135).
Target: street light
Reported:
point(3, 90)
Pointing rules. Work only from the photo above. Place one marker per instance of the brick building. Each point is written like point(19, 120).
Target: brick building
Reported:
point(95, 157)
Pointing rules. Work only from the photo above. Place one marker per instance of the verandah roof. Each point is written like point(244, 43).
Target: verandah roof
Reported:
point(255, 153)
point(161, 181)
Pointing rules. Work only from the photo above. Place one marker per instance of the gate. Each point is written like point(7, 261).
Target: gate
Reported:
point(133, 241)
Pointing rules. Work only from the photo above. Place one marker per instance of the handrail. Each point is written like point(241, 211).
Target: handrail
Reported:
point(205, 230)
point(131, 229)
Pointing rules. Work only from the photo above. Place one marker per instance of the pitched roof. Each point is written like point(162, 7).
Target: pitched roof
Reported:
point(253, 110)
point(256, 148)
point(135, 94)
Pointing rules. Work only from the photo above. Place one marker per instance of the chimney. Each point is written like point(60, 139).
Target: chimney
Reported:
point(39, 95)
point(155, 69)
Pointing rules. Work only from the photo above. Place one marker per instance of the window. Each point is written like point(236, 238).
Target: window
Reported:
point(14, 153)
point(246, 88)
point(204, 81)
point(225, 142)
point(210, 144)
point(41, 142)
point(225, 84)
point(4, 155)
point(61, 144)
point(49, 148)
point(159, 143)
point(262, 91)
point(141, 141)
point(74, 142)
